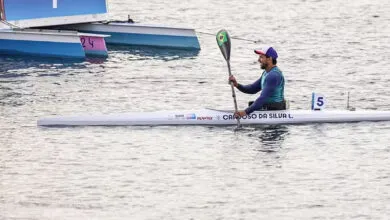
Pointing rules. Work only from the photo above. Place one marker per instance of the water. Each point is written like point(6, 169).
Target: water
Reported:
point(319, 171)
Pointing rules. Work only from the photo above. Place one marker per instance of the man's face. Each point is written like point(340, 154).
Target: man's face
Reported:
point(263, 60)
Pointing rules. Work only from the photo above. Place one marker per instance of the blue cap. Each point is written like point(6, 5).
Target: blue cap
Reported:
point(267, 51)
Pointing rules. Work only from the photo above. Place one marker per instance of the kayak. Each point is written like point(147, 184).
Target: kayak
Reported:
point(217, 117)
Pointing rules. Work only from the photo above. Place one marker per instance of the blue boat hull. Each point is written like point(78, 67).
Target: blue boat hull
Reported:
point(184, 42)
point(42, 48)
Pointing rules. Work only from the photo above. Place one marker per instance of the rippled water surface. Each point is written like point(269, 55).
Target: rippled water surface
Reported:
point(316, 171)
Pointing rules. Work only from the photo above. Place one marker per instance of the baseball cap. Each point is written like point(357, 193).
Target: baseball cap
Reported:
point(268, 51)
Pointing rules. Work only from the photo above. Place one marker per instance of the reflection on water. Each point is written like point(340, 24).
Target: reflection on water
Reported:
point(10, 65)
point(23, 62)
point(20, 76)
point(271, 137)
point(11, 62)
point(155, 53)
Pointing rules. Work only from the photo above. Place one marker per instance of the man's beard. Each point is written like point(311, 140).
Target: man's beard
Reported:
point(263, 66)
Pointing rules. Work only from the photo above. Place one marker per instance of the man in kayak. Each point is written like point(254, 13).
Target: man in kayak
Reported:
point(271, 84)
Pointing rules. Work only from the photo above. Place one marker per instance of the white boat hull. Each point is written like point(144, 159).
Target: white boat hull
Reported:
point(216, 117)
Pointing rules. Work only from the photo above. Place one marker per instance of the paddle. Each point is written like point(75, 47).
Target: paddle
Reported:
point(223, 41)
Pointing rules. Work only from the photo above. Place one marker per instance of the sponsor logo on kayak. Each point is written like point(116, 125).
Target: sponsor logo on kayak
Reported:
point(185, 117)
point(205, 118)
point(260, 116)
point(179, 116)
point(191, 116)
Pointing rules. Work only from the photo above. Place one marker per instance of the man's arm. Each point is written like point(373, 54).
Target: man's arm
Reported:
point(272, 81)
point(251, 88)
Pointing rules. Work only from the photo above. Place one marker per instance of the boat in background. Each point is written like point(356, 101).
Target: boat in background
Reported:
point(38, 14)
point(24, 29)
point(125, 33)
point(88, 17)
point(52, 43)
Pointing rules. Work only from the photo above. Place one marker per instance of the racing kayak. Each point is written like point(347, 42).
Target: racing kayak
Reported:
point(217, 117)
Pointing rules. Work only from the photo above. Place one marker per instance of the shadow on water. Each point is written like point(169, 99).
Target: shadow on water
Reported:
point(16, 67)
point(17, 62)
point(155, 53)
point(270, 137)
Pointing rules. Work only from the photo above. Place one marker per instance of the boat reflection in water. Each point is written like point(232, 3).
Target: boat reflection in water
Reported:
point(151, 53)
point(271, 137)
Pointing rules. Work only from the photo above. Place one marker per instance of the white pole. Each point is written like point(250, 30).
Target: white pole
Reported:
point(54, 3)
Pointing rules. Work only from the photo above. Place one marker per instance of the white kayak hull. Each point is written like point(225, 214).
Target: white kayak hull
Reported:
point(216, 117)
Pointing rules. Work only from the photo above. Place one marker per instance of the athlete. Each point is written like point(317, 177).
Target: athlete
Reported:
point(271, 84)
